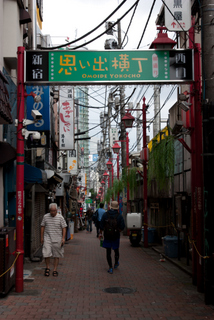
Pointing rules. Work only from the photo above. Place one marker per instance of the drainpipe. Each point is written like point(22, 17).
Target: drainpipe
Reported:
point(32, 26)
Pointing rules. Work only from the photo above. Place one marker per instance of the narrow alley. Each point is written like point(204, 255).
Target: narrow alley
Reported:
point(142, 286)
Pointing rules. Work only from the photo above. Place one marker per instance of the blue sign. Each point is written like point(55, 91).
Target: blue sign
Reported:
point(95, 157)
point(43, 107)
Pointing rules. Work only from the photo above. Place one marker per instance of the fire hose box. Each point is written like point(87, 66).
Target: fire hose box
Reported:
point(7, 253)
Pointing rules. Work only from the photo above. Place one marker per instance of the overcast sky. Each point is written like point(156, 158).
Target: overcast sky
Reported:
point(74, 18)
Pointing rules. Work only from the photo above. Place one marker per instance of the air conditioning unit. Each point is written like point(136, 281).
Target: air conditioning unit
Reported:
point(111, 44)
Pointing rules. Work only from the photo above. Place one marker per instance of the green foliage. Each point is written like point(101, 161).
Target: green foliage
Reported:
point(93, 194)
point(161, 163)
point(132, 181)
point(109, 194)
point(128, 177)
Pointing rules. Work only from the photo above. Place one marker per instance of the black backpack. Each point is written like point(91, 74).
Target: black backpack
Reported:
point(111, 227)
point(95, 216)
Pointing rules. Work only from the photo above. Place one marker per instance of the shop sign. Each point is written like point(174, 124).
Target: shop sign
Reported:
point(109, 67)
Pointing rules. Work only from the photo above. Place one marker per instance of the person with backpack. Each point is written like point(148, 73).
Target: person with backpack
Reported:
point(99, 215)
point(89, 215)
point(112, 223)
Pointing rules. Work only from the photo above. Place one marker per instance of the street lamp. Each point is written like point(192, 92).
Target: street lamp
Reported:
point(110, 168)
point(126, 122)
point(116, 149)
point(109, 165)
point(105, 175)
point(128, 119)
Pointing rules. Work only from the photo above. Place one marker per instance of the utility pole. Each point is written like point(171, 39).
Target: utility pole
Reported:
point(207, 7)
point(145, 178)
point(156, 124)
point(20, 170)
point(122, 109)
point(138, 131)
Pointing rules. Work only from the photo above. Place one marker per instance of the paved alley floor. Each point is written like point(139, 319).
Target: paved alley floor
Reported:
point(142, 286)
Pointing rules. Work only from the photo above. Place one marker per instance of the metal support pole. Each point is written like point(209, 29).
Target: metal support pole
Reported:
point(127, 165)
point(193, 173)
point(199, 166)
point(112, 175)
point(145, 179)
point(208, 138)
point(118, 195)
point(20, 170)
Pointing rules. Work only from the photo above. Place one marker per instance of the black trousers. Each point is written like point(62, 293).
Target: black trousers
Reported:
point(108, 256)
point(98, 227)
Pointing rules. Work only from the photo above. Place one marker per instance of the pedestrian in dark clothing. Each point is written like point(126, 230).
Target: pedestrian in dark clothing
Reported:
point(112, 223)
point(100, 213)
point(89, 215)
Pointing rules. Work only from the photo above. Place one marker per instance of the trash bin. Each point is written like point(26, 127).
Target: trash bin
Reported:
point(151, 234)
point(171, 246)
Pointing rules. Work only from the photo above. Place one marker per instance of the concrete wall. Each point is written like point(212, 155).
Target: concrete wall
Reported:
point(12, 32)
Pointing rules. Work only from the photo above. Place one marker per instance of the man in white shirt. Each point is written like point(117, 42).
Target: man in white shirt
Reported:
point(53, 232)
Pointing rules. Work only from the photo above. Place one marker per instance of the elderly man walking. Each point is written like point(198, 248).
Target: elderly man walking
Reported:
point(53, 232)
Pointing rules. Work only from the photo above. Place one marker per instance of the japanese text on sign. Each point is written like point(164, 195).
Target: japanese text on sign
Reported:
point(63, 67)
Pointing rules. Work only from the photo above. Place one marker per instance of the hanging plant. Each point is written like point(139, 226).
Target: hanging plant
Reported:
point(132, 180)
point(108, 195)
point(117, 186)
point(128, 177)
point(161, 163)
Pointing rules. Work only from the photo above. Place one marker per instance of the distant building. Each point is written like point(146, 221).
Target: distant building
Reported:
point(82, 124)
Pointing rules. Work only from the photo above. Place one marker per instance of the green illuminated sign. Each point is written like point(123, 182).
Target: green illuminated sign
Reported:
point(104, 67)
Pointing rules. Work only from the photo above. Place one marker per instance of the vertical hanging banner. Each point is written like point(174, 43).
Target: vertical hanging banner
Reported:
point(177, 15)
point(72, 162)
point(42, 106)
point(66, 118)
point(113, 136)
point(72, 166)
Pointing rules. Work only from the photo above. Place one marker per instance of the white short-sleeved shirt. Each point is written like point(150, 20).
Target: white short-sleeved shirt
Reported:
point(53, 227)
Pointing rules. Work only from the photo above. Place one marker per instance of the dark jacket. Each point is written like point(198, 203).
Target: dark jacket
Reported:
point(89, 214)
point(120, 221)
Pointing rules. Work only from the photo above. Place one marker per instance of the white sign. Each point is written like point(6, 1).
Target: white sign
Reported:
point(66, 118)
point(72, 165)
point(113, 136)
point(179, 19)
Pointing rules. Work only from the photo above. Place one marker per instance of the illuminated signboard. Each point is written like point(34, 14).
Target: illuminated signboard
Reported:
point(108, 67)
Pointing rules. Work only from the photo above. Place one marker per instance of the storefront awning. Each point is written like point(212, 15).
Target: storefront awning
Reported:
point(53, 177)
point(34, 175)
point(7, 152)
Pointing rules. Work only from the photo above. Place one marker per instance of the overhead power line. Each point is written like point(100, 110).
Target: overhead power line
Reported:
point(129, 25)
point(88, 33)
point(101, 34)
point(146, 23)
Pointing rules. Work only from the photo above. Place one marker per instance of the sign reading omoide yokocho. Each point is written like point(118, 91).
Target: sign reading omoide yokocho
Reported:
point(104, 67)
